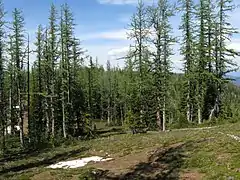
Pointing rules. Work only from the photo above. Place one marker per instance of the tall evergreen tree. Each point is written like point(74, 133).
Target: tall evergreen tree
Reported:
point(187, 50)
point(67, 42)
point(37, 125)
point(223, 62)
point(139, 31)
point(109, 101)
point(18, 51)
point(51, 64)
point(160, 21)
point(2, 74)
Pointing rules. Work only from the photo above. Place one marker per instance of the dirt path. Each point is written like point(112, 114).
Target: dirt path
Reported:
point(161, 163)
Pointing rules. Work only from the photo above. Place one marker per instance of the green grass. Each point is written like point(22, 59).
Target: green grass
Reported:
point(208, 152)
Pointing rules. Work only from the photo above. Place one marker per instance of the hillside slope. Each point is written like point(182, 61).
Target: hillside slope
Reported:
point(208, 153)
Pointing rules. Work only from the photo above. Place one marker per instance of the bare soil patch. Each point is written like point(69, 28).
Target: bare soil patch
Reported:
point(191, 175)
point(43, 176)
point(161, 163)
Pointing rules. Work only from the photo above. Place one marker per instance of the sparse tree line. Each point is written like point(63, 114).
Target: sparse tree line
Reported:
point(58, 97)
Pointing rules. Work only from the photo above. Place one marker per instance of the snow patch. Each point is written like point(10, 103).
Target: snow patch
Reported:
point(78, 162)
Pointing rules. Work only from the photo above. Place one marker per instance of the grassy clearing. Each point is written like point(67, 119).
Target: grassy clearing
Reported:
point(196, 154)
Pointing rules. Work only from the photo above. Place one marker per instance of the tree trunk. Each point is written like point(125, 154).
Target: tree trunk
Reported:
point(20, 119)
point(200, 96)
point(52, 116)
point(2, 119)
point(4, 129)
point(164, 114)
point(214, 109)
point(199, 115)
point(47, 118)
point(28, 84)
point(188, 104)
point(10, 111)
point(63, 120)
point(121, 114)
point(159, 122)
point(109, 116)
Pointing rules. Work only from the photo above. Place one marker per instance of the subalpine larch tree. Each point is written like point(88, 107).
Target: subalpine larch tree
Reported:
point(12, 120)
point(139, 31)
point(102, 90)
point(116, 95)
point(122, 99)
point(51, 64)
point(28, 82)
point(211, 81)
point(224, 56)
point(202, 59)
point(37, 125)
point(45, 83)
point(3, 108)
point(18, 51)
point(187, 50)
point(129, 86)
point(94, 94)
point(97, 91)
point(161, 57)
point(90, 87)
point(77, 91)
point(205, 81)
point(63, 75)
point(67, 41)
point(109, 93)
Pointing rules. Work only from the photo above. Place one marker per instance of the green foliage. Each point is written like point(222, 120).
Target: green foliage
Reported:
point(69, 90)
point(134, 123)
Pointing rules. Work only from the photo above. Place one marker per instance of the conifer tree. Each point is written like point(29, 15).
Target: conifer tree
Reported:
point(67, 41)
point(18, 50)
point(51, 64)
point(139, 31)
point(187, 50)
point(202, 59)
point(204, 64)
point(224, 56)
point(12, 89)
point(160, 21)
point(37, 125)
point(90, 87)
point(109, 101)
point(2, 76)
point(63, 75)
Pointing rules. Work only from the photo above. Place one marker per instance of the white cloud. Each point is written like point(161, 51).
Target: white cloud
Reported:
point(120, 34)
point(235, 46)
point(109, 52)
point(123, 2)
point(119, 51)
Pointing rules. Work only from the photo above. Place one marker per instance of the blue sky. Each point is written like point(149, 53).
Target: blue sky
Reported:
point(101, 24)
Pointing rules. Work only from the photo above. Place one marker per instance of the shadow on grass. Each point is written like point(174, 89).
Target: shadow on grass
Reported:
point(163, 164)
point(23, 154)
point(110, 132)
point(48, 161)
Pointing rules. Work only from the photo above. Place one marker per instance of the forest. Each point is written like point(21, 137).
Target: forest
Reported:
point(64, 92)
